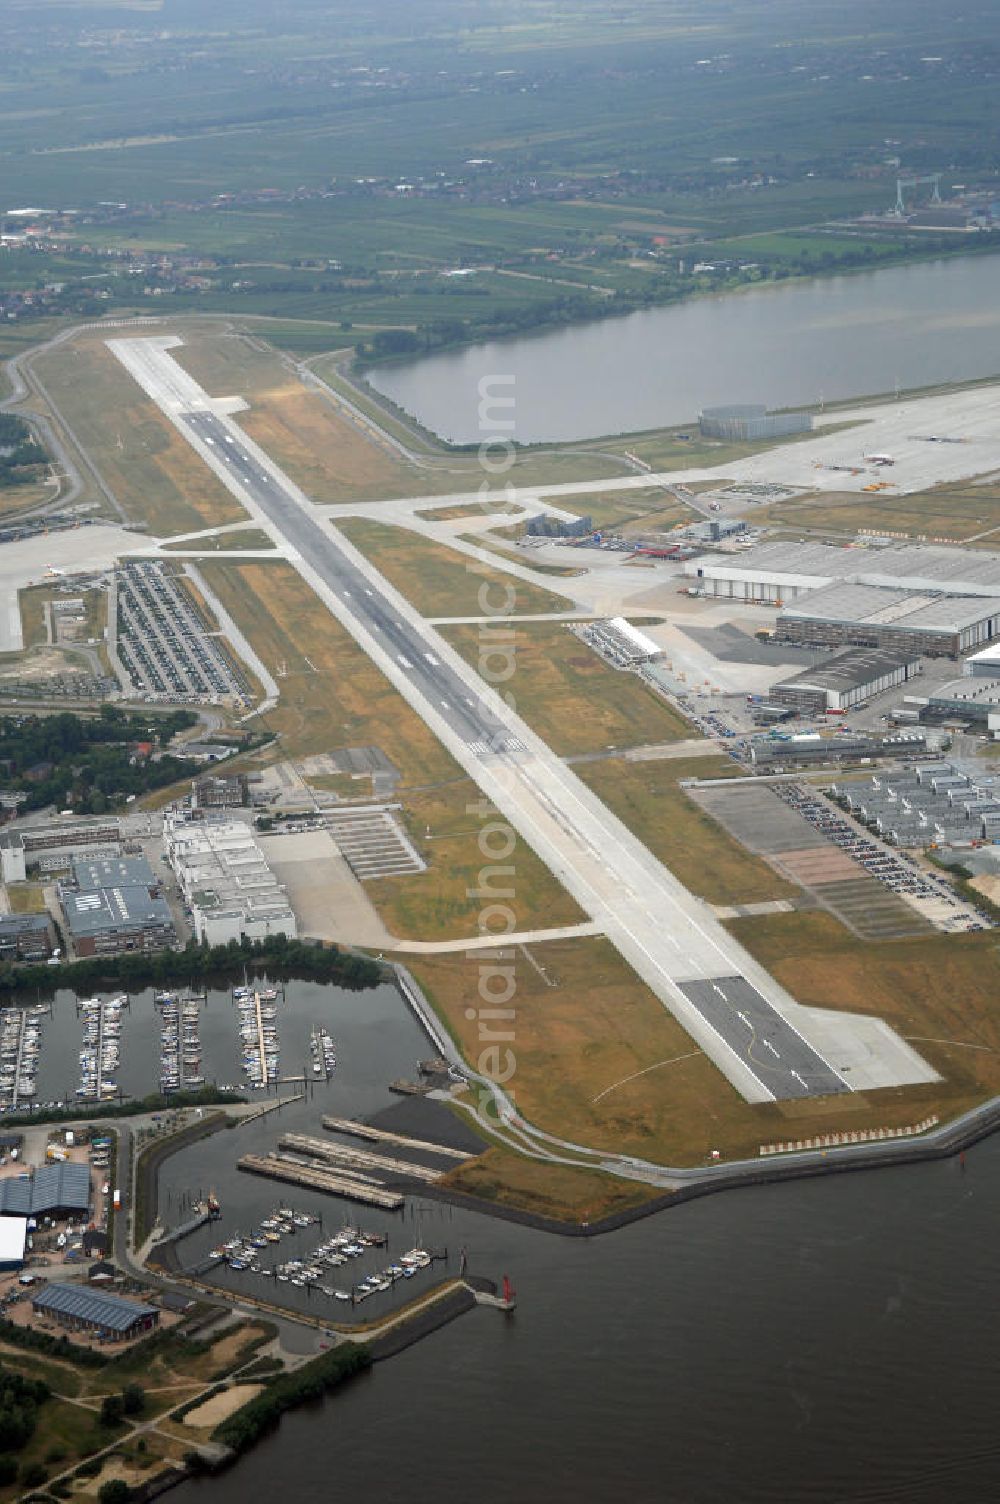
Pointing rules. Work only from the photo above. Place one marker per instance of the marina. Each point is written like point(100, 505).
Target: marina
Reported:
point(180, 1045)
point(258, 1014)
point(310, 1271)
point(323, 1052)
point(20, 1039)
point(382, 1136)
point(100, 1056)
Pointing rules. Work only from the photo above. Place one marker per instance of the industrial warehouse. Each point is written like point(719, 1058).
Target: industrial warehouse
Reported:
point(225, 879)
point(939, 601)
point(114, 904)
point(847, 679)
point(111, 1318)
point(941, 626)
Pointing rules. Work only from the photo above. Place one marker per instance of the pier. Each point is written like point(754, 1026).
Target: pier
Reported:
point(101, 1052)
point(356, 1159)
point(381, 1136)
point(20, 1029)
point(277, 1168)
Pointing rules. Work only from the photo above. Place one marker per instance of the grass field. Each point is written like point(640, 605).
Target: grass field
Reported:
point(598, 1060)
point(320, 450)
point(156, 476)
point(938, 991)
point(953, 512)
point(343, 700)
point(565, 691)
point(26, 898)
point(648, 798)
point(436, 579)
point(445, 902)
point(549, 1190)
point(252, 538)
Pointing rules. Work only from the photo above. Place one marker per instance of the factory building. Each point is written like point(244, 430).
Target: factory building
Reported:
point(111, 1318)
point(114, 904)
point(225, 880)
point(985, 664)
point(973, 699)
point(53, 847)
point(747, 421)
point(25, 937)
point(939, 626)
point(57, 1190)
point(790, 751)
point(620, 643)
point(778, 573)
point(846, 680)
point(927, 803)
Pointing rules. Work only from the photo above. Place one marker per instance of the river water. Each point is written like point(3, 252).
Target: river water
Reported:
point(789, 344)
point(820, 1341)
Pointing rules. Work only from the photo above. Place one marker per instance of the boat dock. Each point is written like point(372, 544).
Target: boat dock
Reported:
point(278, 1167)
point(20, 1035)
point(180, 1049)
point(258, 1034)
point(381, 1136)
point(357, 1159)
point(100, 1056)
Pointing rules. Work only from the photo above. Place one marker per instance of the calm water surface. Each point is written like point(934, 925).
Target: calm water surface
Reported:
point(813, 1342)
point(791, 344)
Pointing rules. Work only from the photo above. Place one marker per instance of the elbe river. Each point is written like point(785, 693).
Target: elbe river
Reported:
point(790, 344)
point(827, 1340)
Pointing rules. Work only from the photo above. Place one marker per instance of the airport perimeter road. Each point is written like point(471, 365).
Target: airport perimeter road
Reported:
point(666, 934)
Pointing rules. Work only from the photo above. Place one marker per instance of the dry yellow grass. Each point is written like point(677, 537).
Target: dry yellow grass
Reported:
point(155, 474)
point(445, 902)
point(342, 700)
point(599, 1060)
point(438, 580)
point(648, 798)
point(565, 691)
point(558, 1191)
point(324, 453)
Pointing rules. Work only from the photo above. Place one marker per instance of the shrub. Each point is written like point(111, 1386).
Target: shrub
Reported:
point(112, 1410)
point(133, 1399)
point(8, 1470)
point(33, 1474)
point(115, 1491)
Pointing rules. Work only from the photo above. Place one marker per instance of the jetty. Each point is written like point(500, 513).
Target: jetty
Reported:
point(381, 1136)
point(315, 1178)
point(356, 1159)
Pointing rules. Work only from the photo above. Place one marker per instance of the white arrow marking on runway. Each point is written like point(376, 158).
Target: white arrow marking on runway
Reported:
point(797, 1077)
point(770, 1046)
point(718, 989)
point(432, 660)
point(405, 661)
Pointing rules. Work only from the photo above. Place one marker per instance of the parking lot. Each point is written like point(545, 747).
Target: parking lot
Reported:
point(930, 895)
point(165, 646)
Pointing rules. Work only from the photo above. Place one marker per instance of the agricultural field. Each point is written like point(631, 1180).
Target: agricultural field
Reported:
point(565, 691)
point(332, 695)
point(157, 477)
point(436, 579)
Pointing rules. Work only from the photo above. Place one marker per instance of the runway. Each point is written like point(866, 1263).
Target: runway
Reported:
point(668, 936)
point(746, 1021)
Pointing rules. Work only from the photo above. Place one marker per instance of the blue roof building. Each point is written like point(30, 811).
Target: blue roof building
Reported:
point(112, 1317)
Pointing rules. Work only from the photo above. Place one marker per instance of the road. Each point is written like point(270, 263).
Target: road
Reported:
point(667, 935)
